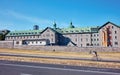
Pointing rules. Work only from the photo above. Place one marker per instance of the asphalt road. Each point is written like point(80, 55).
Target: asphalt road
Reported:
point(23, 68)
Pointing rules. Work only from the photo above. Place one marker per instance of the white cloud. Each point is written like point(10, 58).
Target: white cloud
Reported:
point(27, 18)
point(6, 25)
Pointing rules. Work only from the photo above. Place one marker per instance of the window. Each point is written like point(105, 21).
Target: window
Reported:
point(116, 43)
point(115, 37)
point(97, 34)
point(108, 26)
point(16, 33)
point(71, 31)
point(32, 33)
point(23, 36)
point(36, 42)
point(28, 42)
point(33, 36)
point(47, 35)
point(115, 32)
point(87, 44)
point(81, 45)
point(91, 35)
point(66, 31)
point(94, 44)
point(35, 32)
point(94, 39)
point(81, 39)
point(91, 44)
point(51, 34)
point(17, 42)
point(10, 33)
point(82, 30)
point(37, 36)
point(19, 33)
point(86, 39)
point(39, 32)
point(112, 27)
point(13, 33)
point(43, 35)
point(98, 44)
point(91, 39)
point(7, 37)
point(27, 37)
point(76, 31)
point(97, 39)
point(76, 39)
point(32, 42)
point(52, 39)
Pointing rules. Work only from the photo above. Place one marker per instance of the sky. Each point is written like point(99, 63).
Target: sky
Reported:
point(24, 14)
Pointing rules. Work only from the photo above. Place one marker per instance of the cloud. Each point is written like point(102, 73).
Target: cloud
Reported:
point(6, 25)
point(27, 18)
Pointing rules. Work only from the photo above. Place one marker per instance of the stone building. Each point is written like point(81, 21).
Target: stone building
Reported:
point(107, 35)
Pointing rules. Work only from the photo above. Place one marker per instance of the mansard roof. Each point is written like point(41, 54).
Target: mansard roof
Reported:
point(60, 30)
point(24, 32)
point(57, 30)
point(28, 32)
point(75, 30)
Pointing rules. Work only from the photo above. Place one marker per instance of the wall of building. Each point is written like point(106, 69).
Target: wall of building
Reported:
point(50, 35)
point(112, 35)
point(95, 40)
point(81, 40)
point(9, 44)
point(106, 36)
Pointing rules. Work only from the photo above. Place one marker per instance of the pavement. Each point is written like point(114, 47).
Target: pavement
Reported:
point(28, 68)
point(58, 57)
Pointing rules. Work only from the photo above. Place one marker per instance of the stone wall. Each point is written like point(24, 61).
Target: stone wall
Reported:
point(70, 49)
point(9, 44)
point(6, 44)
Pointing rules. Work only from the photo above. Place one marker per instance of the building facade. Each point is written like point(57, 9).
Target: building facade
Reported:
point(107, 35)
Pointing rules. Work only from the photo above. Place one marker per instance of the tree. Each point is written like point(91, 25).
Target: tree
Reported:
point(1, 37)
point(3, 33)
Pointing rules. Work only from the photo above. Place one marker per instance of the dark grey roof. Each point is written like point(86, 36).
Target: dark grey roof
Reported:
point(108, 23)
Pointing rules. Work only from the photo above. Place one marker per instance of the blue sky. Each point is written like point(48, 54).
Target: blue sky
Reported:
point(23, 14)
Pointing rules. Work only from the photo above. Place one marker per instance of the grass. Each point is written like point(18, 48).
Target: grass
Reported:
point(47, 53)
point(102, 55)
point(63, 62)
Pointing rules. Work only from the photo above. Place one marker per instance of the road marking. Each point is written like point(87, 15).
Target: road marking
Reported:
point(53, 68)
